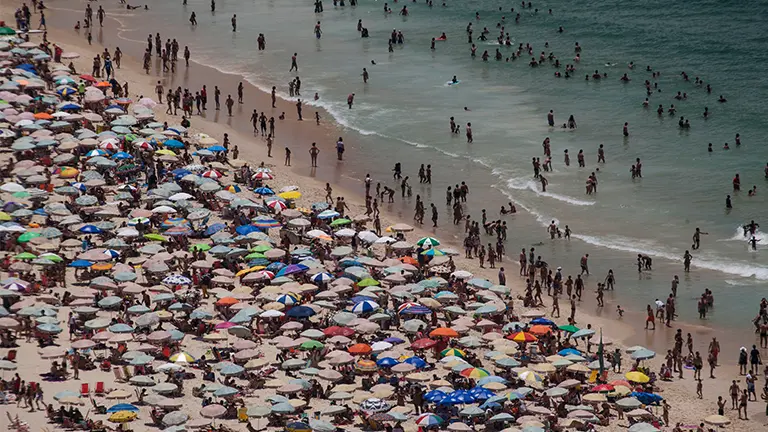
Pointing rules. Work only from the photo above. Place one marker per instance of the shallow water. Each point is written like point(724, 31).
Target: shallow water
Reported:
point(402, 115)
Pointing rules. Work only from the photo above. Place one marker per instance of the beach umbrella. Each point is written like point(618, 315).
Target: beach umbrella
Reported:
point(175, 418)
point(213, 411)
point(643, 354)
point(522, 337)
point(428, 419)
point(428, 242)
point(122, 417)
point(122, 407)
point(637, 377)
point(475, 373)
point(365, 306)
point(717, 420)
point(374, 405)
point(643, 427)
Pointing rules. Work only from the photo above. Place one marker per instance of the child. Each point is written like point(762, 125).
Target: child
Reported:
point(699, 388)
point(620, 311)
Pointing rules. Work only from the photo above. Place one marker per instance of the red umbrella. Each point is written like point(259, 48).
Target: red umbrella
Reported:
point(603, 388)
point(424, 343)
point(88, 78)
point(338, 331)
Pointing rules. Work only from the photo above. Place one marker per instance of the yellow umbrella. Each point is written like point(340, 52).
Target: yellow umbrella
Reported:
point(291, 195)
point(122, 417)
point(165, 152)
point(4, 216)
point(249, 270)
point(637, 377)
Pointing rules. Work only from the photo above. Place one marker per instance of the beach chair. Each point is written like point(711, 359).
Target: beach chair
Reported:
point(84, 390)
point(99, 390)
point(11, 355)
point(118, 374)
point(241, 414)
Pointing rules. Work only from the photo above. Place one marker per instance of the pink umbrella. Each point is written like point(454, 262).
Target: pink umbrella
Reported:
point(225, 325)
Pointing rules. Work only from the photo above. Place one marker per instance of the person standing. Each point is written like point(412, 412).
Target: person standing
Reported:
point(230, 102)
point(294, 64)
point(313, 152)
point(216, 97)
point(340, 149)
point(287, 156)
point(240, 92)
point(434, 215)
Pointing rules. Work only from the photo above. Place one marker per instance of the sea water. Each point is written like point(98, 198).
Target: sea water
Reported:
point(402, 115)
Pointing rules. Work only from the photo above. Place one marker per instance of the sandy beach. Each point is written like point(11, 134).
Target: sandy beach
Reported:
point(686, 408)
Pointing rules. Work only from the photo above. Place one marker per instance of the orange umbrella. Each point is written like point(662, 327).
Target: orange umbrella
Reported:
point(360, 348)
point(227, 301)
point(43, 116)
point(522, 337)
point(540, 329)
point(103, 84)
point(409, 260)
point(444, 332)
point(101, 266)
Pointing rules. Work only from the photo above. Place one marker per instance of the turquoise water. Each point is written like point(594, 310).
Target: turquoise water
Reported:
point(402, 115)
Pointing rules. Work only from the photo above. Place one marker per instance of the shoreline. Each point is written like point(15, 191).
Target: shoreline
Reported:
point(306, 132)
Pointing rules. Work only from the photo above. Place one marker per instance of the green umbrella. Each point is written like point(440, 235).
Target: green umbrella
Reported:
point(569, 328)
point(254, 255)
point(340, 222)
point(260, 248)
point(156, 237)
point(25, 255)
point(428, 241)
point(310, 345)
point(368, 282)
point(52, 257)
point(27, 236)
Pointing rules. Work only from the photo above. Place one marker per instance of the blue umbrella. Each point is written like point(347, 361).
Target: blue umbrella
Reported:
point(542, 321)
point(387, 362)
point(568, 351)
point(434, 396)
point(457, 398)
point(416, 310)
point(275, 266)
point(231, 369)
point(70, 106)
point(292, 269)
point(394, 340)
point(321, 277)
point(213, 229)
point(418, 362)
point(123, 407)
point(90, 229)
point(246, 229)
point(80, 264)
point(264, 191)
point(216, 148)
point(647, 398)
point(174, 144)
point(121, 155)
point(300, 312)
point(482, 393)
